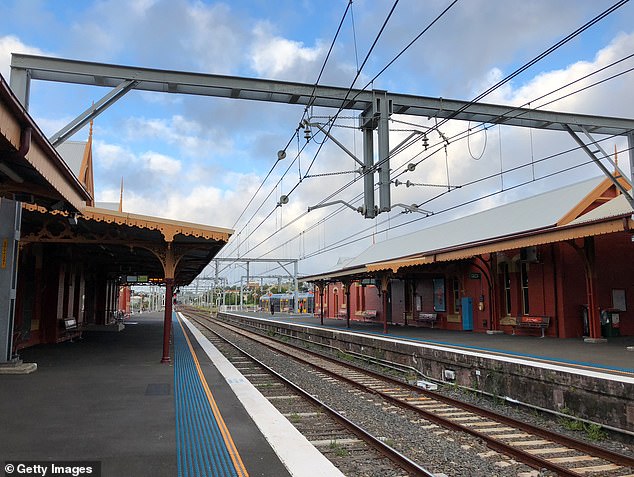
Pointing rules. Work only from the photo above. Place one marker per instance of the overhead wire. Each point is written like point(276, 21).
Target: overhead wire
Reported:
point(349, 89)
point(578, 31)
point(296, 132)
point(533, 162)
point(359, 69)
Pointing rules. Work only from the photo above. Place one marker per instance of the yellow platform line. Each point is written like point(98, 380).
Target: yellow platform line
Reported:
point(226, 435)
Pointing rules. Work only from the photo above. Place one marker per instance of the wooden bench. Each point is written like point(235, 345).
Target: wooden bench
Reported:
point(369, 315)
point(541, 322)
point(430, 318)
point(70, 324)
point(71, 328)
point(341, 314)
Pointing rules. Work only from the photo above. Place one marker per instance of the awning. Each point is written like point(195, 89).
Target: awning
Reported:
point(121, 244)
point(333, 276)
point(529, 239)
point(31, 170)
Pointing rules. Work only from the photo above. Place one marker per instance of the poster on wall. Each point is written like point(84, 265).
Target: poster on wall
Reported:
point(439, 294)
point(618, 299)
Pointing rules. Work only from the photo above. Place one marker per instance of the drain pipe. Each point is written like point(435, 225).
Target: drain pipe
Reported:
point(25, 141)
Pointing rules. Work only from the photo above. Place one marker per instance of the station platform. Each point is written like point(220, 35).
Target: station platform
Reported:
point(107, 398)
point(611, 356)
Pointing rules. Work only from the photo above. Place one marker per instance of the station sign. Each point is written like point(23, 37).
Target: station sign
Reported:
point(137, 279)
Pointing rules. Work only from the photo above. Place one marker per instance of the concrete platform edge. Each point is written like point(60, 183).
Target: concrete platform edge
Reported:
point(299, 456)
point(21, 368)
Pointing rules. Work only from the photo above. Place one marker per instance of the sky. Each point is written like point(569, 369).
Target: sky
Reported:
point(202, 160)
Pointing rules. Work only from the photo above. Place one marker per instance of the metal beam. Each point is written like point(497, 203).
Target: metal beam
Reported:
point(598, 162)
point(607, 157)
point(92, 112)
point(383, 110)
point(244, 259)
point(369, 207)
point(630, 147)
point(99, 74)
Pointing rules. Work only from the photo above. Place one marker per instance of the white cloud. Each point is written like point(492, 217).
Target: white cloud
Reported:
point(160, 163)
point(189, 136)
point(12, 44)
point(110, 156)
point(276, 57)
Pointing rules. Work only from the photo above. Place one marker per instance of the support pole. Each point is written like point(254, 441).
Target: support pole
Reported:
point(169, 269)
point(594, 319)
point(384, 287)
point(368, 170)
point(321, 303)
point(382, 105)
point(20, 82)
point(296, 286)
point(10, 219)
point(630, 146)
point(347, 285)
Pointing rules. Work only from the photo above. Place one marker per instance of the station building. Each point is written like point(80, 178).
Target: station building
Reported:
point(64, 258)
point(557, 264)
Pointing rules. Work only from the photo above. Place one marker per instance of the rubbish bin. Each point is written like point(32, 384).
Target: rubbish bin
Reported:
point(610, 323)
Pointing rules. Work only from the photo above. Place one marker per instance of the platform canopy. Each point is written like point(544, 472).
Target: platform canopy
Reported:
point(127, 245)
point(31, 170)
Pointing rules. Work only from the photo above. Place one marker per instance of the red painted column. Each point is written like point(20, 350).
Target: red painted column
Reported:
point(321, 302)
point(594, 319)
point(348, 285)
point(167, 321)
point(384, 288)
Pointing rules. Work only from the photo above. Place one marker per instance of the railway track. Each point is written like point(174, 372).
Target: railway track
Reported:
point(351, 448)
point(538, 448)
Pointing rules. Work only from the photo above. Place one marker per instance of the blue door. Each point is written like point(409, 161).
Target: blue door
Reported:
point(467, 314)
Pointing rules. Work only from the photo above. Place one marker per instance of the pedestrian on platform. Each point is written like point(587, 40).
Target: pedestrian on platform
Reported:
point(272, 308)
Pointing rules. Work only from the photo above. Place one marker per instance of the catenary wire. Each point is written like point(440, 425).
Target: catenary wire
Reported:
point(552, 49)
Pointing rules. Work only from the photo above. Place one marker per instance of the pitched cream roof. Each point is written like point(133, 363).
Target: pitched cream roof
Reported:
point(532, 213)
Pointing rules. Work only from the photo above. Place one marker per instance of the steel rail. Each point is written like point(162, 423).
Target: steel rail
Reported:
point(525, 457)
point(399, 459)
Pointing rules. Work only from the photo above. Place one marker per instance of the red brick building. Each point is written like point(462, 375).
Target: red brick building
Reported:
point(560, 262)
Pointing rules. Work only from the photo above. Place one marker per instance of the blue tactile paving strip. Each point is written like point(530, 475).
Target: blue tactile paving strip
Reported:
point(203, 444)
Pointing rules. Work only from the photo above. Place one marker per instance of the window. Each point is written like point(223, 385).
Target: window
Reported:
point(525, 297)
point(506, 278)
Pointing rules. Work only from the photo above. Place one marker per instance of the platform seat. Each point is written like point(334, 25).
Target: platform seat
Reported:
point(369, 315)
point(429, 318)
point(71, 329)
point(525, 321)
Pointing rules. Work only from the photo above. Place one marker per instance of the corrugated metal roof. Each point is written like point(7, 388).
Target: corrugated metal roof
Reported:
point(534, 212)
point(619, 206)
point(73, 153)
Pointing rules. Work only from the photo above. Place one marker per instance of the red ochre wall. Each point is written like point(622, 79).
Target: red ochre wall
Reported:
point(557, 289)
point(617, 252)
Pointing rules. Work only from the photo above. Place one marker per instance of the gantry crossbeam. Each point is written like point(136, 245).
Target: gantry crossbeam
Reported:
point(29, 67)
point(375, 106)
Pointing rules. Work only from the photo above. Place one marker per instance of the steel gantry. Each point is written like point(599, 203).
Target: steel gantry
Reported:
point(375, 107)
point(282, 262)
